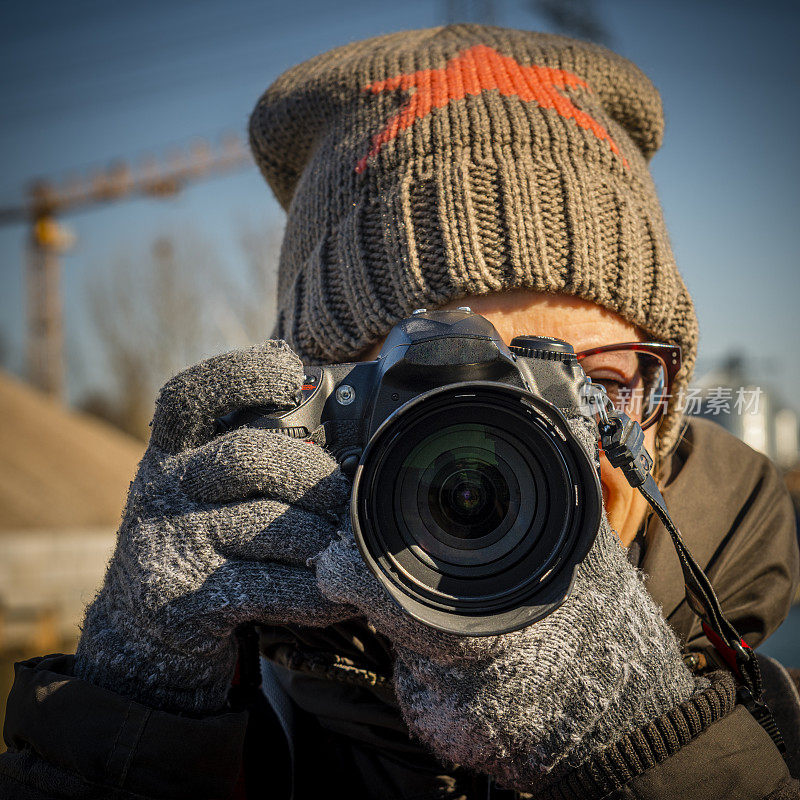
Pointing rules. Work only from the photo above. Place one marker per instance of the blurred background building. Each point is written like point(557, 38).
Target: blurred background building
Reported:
point(732, 396)
point(136, 235)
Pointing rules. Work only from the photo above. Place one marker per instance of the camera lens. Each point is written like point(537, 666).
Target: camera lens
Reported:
point(468, 497)
point(464, 489)
point(473, 504)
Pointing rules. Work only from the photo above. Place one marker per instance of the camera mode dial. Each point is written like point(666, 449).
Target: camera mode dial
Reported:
point(545, 347)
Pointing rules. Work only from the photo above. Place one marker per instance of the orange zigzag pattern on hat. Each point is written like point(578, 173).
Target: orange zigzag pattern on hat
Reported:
point(474, 70)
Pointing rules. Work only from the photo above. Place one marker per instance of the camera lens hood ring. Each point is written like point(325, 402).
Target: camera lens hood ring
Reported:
point(521, 604)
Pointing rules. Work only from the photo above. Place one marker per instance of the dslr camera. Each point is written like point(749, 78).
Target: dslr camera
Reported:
point(473, 501)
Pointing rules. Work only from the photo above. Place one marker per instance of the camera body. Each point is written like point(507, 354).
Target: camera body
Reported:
point(473, 500)
point(423, 352)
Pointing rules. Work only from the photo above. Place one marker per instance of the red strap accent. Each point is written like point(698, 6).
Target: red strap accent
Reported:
point(237, 677)
point(729, 655)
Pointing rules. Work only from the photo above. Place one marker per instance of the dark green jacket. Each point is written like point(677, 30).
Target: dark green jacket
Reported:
point(331, 726)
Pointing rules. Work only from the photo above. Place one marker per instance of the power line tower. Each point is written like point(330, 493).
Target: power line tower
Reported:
point(48, 238)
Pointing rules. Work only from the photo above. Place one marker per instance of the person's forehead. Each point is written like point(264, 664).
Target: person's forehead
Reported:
point(582, 323)
point(584, 332)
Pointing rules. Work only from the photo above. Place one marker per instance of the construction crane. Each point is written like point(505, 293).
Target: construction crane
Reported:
point(48, 200)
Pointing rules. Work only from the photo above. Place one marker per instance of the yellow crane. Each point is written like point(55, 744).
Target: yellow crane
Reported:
point(48, 200)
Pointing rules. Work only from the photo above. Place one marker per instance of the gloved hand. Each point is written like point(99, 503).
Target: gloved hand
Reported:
point(524, 707)
point(216, 532)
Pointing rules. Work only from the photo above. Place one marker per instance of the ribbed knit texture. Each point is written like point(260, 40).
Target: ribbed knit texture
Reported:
point(423, 166)
point(638, 751)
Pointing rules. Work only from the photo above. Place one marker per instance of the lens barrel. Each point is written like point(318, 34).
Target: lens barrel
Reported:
point(473, 504)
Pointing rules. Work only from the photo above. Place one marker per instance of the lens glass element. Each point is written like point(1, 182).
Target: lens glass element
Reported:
point(462, 486)
point(468, 498)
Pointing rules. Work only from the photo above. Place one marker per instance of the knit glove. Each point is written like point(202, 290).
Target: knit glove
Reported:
point(216, 532)
point(524, 707)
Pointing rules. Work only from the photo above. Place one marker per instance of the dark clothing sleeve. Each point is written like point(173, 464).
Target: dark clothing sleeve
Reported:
point(70, 740)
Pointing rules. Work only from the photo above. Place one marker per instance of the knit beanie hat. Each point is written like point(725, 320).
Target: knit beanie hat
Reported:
point(423, 166)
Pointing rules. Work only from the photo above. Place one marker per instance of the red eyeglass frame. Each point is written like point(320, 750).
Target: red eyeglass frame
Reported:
point(668, 354)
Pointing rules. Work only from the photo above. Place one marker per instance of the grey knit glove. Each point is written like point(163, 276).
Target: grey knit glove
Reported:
point(524, 707)
point(216, 532)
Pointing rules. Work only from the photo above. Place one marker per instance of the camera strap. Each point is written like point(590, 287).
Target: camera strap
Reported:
point(623, 443)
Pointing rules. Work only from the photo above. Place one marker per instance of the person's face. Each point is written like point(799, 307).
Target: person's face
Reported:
point(584, 325)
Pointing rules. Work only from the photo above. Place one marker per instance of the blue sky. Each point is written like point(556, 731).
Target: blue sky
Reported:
point(86, 82)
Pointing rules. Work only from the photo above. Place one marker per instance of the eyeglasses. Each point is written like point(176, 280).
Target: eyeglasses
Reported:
point(637, 376)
